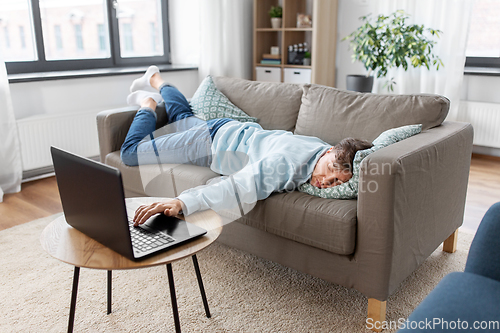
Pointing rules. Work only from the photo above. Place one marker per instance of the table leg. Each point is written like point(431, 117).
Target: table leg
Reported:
point(200, 284)
point(109, 291)
point(76, 276)
point(173, 298)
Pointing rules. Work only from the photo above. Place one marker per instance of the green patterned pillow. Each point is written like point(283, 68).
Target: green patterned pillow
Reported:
point(209, 103)
point(349, 190)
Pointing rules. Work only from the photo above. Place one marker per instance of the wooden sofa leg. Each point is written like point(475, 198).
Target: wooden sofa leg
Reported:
point(376, 314)
point(450, 244)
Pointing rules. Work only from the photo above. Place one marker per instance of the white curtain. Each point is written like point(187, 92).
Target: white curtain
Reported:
point(226, 38)
point(10, 158)
point(452, 17)
point(184, 21)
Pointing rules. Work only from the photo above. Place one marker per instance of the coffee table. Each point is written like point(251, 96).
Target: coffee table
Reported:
point(69, 245)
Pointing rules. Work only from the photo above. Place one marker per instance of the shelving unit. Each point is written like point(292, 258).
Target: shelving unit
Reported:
point(321, 38)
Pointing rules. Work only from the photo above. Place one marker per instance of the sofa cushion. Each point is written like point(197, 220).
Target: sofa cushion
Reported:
point(326, 224)
point(209, 103)
point(276, 105)
point(157, 183)
point(349, 189)
point(332, 114)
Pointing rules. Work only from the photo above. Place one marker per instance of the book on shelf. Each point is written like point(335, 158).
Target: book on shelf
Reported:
point(271, 56)
point(270, 62)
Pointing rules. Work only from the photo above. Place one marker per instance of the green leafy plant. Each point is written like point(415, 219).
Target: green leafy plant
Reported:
point(391, 42)
point(307, 55)
point(276, 11)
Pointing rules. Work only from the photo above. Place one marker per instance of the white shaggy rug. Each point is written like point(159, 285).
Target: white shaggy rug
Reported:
point(245, 293)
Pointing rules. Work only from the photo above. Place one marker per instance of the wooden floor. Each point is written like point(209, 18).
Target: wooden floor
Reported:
point(37, 199)
point(40, 198)
point(483, 190)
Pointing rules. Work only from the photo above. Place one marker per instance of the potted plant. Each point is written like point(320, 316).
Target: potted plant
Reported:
point(276, 13)
point(390, 42)
point(307, 59)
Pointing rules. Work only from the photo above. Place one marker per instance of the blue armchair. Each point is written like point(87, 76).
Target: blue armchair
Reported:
point(466, 301)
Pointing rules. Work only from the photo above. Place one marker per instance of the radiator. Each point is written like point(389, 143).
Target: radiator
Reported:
point(485, 118)
point(76, 133)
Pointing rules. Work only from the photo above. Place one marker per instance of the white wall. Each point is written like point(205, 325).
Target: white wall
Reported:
point(77, 95)
point(349, 12)
point(480, 88)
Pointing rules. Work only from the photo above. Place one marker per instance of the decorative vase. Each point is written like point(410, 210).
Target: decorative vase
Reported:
point(276, 22)
point(359, 83)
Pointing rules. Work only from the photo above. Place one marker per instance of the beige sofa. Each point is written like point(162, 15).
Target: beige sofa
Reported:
point(411, 199)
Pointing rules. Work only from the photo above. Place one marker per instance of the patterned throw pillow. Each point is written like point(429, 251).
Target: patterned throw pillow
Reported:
point(349, 190)
point(209, 103)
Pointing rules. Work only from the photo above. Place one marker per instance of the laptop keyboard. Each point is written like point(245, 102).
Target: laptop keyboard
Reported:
point(144, 240)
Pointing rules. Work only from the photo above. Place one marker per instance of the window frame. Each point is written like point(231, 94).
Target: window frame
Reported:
point(488, 62)
point(115, 60)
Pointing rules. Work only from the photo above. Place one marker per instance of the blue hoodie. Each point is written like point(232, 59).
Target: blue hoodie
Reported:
point(259, 162)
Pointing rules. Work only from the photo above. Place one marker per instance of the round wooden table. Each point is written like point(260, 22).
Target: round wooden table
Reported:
point(69, 245)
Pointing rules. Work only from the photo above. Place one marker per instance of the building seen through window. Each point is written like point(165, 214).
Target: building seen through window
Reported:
point(83, 30)
point(483, 42)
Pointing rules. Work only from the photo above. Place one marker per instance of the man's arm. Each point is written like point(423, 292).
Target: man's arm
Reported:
point(254, 182)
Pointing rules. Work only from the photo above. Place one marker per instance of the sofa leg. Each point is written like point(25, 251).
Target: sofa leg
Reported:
point(376, 314)
point(450, 244)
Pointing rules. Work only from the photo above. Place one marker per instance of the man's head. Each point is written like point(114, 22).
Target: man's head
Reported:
point(335, 166)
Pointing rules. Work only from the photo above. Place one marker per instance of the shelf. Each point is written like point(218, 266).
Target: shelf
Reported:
point(283, 29)
point(298, 29)
point(320, 38)
point(268, 30)
point(297, 66)
point(266, 65)
point(284, 66)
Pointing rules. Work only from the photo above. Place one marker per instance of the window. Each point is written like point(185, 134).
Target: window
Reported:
point(78, 37)
point(6, 37)
point(127, 38)
point(58, 37)
point(22, 37)
point(15, 15)
point(154, 42)
point(134, 18)
point(102, 37)
point(483, 43)
point(65, 35)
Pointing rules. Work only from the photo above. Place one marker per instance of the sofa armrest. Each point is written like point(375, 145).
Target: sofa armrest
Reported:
point(113, 125)
point(411, 198)
point(112, 128)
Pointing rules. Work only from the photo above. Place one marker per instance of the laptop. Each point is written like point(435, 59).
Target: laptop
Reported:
point(93, 202)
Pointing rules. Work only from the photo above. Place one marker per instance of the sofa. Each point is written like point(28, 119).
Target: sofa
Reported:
point(468, 300)
point(411, 195)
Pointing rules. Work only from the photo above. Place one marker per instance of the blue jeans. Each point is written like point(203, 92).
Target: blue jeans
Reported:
point(185, 139)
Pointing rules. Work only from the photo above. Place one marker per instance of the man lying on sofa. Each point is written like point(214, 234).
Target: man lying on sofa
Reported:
point(276, 160)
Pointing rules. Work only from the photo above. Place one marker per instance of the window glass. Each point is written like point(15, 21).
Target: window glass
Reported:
point(484, 31)
point(58, 37)
point(17, 39)
point(139, 21)
point(75, 29)
point(102, 37)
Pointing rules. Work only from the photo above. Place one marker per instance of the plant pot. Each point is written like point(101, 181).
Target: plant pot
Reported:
point(306, 62)
point(360, 83)
point(276, 22)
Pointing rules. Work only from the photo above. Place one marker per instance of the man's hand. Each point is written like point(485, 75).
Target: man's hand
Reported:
point(171, 207)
